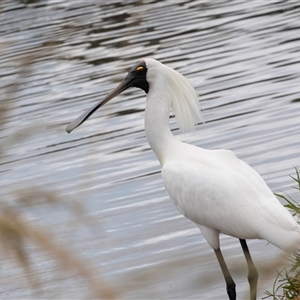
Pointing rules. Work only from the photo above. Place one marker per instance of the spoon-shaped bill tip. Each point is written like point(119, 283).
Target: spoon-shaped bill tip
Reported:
point(78, 121)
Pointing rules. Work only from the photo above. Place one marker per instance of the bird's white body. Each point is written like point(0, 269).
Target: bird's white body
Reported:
point(212, 188)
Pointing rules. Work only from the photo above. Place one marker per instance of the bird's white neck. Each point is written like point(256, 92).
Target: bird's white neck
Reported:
point(168, 89)
point(157, 127)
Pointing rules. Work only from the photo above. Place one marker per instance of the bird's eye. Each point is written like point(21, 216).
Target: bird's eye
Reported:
point(140, 69)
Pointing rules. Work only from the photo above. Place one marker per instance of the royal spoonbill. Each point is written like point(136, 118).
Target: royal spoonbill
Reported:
point(213, 188)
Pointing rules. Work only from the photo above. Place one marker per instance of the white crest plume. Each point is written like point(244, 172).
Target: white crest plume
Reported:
point(184, 101)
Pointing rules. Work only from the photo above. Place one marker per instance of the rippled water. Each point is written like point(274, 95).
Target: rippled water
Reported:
point(63, 56)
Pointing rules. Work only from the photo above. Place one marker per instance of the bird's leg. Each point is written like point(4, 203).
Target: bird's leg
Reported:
point(252, 272)
point(230, 285)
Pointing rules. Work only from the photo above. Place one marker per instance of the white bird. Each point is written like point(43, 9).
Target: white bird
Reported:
point(213, 188)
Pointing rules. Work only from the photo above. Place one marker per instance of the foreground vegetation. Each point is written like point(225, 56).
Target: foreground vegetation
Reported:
point(287, 282)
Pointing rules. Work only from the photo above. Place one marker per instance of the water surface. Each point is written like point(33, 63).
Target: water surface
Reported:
point(242, 58)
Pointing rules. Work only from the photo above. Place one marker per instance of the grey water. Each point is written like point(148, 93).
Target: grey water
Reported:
point(63, 56)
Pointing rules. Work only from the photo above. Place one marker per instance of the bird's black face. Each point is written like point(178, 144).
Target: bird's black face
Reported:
point(136, 77)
